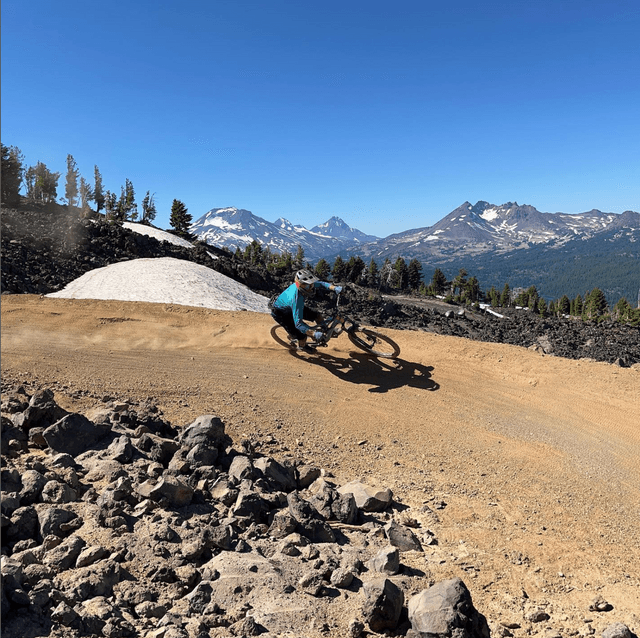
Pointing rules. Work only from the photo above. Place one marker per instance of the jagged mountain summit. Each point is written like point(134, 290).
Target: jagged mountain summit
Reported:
point(338, 229)
point(471, 230)
point(236, 228)
point(559, 253)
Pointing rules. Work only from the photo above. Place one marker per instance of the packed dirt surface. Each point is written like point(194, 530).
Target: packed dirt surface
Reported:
point(526, 467)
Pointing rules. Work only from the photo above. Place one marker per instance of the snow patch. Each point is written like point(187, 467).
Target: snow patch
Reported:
point(160, 235)
point(164, 280)
point(489, 214)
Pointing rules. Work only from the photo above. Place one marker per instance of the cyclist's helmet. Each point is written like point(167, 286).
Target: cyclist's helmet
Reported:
point(305, 281)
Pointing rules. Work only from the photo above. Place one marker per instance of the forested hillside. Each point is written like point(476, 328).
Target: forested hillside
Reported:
point(572, 270)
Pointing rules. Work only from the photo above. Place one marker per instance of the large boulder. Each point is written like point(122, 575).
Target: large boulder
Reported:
point(206, 430)
point(42, 411)
point(383, 601)
point(278, 476)
point(446, 610)
point(617, 630)
point(169, 491)
point(74, 433)
point(331, 504)
point(33, 483)
point(386, 561)
point(368, 498)
point(309, 522)
point(56, 521)
point(402, 537)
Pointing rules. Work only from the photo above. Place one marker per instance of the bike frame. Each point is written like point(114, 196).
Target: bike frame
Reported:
point(336, 325)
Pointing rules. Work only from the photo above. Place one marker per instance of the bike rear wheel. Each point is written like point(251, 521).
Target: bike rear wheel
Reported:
point(374, 342)
point(281, 336)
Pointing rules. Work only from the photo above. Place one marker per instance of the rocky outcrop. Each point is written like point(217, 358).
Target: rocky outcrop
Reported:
point(566, 337)
point(122, 523)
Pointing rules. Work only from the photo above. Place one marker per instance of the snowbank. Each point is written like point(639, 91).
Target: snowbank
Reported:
point(164, 280)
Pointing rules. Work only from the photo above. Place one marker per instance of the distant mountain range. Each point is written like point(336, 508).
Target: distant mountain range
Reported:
point(472, 230)
point(236, 228)
point(559, 253)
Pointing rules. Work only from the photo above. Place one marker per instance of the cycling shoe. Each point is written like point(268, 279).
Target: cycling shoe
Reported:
point(307, 348)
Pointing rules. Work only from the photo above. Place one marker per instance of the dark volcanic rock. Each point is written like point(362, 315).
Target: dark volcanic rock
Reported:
point(46, 247)
point(74, 434)
point(567, 337)
point(383, 602)
point(142, 548)
point(446, 610)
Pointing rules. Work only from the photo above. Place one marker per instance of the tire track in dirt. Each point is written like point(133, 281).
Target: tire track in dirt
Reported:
point(536, 459)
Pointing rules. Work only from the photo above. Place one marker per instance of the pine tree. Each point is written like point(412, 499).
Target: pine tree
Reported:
point(339, 270)
point(119, 213)
point(372, 274)
point(86, 193)
point(110, 206)
point(130, 206)
point(621, 309)
point(282, 264)
point(253, 252)
point(624, 313)
point(599, 301)
point(98, 192)
point(472, 290)
point(564, 305)
point(298, 260)
point(387, 274)
point(541, 307)
point(595, 305)
point(438, 282)
point(126, 208)
point(401, 274)
point(577, 306)
point(522, 299)
point(71, 185)
point(322, 269)
point(180, 220)
point(355, 268)
point(148, 208)
point(12, 174)
point(414, 274)
point(505, 297)
point(459, 281)
point(41, 184)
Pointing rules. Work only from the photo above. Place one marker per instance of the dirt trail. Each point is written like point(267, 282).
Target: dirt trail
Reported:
point(526, 467)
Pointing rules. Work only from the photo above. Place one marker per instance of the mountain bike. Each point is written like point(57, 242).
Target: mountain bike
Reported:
point(366, 339)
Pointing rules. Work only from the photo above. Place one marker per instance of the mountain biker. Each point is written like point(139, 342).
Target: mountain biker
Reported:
point(290, 312)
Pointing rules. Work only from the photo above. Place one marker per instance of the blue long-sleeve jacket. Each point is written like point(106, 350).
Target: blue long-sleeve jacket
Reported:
point(292, 298)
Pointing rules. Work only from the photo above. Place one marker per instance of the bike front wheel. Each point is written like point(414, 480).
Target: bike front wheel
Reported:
point(374, 342)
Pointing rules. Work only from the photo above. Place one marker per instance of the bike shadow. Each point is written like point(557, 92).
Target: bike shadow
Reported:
point(382, 374)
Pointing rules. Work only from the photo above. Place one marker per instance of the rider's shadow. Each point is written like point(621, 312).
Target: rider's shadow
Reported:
point(382, 374)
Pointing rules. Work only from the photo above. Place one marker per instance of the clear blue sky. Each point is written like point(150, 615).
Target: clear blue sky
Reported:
point(387, 114)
